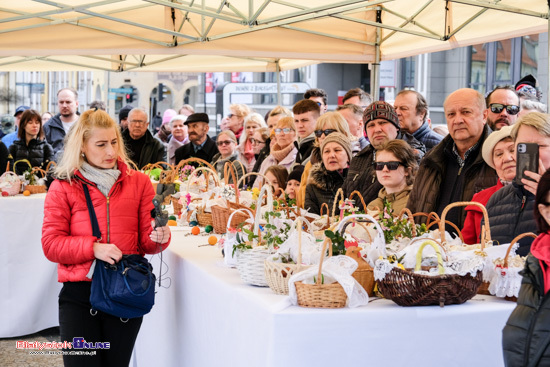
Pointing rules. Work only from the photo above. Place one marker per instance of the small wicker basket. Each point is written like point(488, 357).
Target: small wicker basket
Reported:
point(277, 274)
point(14, 186)
point(321, 295)
point(37, 189)
point(203, 218)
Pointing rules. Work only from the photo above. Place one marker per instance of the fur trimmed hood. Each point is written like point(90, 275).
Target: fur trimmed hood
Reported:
point(323, 179)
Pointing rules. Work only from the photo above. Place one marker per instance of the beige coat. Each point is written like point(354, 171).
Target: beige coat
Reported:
point(397, 200)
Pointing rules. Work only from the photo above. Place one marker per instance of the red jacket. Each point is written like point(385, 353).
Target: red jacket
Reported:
point(472, 224)
point(124, 220)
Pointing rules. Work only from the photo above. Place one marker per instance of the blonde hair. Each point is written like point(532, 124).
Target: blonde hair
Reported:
point(280, 110)
point(255, 118)
point(537, 120)
point(79, 134)
point(230, 134)
point(241, 110)
point(338, 123)
point(286, 122)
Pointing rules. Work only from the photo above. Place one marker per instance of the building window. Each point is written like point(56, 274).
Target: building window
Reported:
point(407, 78)
point(503, 62)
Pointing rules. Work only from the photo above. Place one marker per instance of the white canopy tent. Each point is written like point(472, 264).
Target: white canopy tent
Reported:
point(248, 35)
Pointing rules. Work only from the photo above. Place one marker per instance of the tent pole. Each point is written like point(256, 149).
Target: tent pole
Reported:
point(278, 71)
point(548, 60)
point(375, 70)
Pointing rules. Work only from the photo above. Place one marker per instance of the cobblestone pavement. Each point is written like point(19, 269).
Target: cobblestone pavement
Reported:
point(12, 357)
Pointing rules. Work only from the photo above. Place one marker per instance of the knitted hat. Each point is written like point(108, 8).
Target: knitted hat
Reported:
point(124, 111)
point(7, 123)
point(381, 110)
point(490, 143)
point(528, 84)
point(296, 173)
point(167, 116)
point(340, 139)
point(197, 117)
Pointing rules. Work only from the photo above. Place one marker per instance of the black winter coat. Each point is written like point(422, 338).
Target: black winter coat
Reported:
point(526, 336)
point(153, 150)
point(207, 153)
point(38, 152)
point(362, 176)
point(3, 158)
point(321, 188)
point(427, 136)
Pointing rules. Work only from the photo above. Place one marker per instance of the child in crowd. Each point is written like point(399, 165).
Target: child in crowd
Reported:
point(293, 183)
point(277, 177)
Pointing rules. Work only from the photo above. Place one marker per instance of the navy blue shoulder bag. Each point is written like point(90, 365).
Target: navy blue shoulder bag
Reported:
point(125, 289)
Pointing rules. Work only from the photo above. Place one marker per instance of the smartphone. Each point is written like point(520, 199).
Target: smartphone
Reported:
point(527, 159)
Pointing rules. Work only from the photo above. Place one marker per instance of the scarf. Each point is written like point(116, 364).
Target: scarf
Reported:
point(280, 153)
point(248, 150)
point(103, 178)
point(172, 146)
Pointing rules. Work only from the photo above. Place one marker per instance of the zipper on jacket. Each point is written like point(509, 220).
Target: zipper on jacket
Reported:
point(523, 200)
point(108, 224)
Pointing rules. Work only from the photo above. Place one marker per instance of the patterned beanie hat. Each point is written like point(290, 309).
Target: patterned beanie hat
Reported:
point(380, 110)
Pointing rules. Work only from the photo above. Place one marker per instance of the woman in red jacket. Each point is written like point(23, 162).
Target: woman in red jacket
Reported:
point(94, 155)
point(498, 152)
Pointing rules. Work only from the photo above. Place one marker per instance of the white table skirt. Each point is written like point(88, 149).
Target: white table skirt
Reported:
point(28, 280)
point(208, 317)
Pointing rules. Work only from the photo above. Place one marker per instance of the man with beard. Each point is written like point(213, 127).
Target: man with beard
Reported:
point(502, 107)
point(200, 144)
point(58, 126)
point(142, 147)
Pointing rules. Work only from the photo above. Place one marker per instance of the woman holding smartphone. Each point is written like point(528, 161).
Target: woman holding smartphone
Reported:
point(511, 208)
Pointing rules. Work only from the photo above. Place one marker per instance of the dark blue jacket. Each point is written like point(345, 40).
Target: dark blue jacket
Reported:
point(427, 136)
point(55, 133)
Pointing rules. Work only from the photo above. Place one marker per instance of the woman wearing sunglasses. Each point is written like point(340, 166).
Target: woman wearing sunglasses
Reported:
point(327, 176)
point(327, 124)
point(395, 167)
point(284, 151)
point(227, 144)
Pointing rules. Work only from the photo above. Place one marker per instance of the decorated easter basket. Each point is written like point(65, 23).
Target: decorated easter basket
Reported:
point(319, 295)
point(10, 183)
point(203, 218)
point(37, 189)
point(277, 274)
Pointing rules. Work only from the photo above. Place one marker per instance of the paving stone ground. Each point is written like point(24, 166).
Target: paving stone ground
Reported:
point(10, 356)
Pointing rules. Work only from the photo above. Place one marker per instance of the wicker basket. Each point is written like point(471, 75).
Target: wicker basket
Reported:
point(321, 295)
point(250, 264)
point(485, 233)
point(184, 162)
point(37, 189)
point(220, 215)
point(176, 205)
point(407, 288)
point(249, 174)
point(203, 218)
point(277, 274)
point(14, 187)
point(166, 176)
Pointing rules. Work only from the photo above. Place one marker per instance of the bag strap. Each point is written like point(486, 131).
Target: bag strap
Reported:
point(95, 226)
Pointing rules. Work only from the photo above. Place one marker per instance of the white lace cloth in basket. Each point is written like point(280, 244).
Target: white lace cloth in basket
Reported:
point(506, 282)
point(311, 250)
point(459, 267)
point(335, 269)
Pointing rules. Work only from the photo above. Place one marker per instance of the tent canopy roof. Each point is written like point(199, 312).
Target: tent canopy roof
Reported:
point(248, 35)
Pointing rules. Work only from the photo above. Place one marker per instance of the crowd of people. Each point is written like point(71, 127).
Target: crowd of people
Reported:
point(390, 154)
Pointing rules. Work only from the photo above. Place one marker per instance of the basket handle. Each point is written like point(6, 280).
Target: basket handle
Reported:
point(228, 168)
point(455, 227)
point(430, 216)
point(485, 231)
point(24, 161)
point(39, 170)
point(325, 205)
point(356, 192)
point(440, 268)
point(410, 218)
point(239, 211)
point(208, 170)
point(362, 225)
point(339, 193)
point(49, 165)
point(183, 162)
point(265, 190)
point(516, 239)
point(264, 179)
point(379, 232)
point(325, 242)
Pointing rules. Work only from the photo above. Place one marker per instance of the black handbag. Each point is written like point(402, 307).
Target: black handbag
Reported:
point(125, 289)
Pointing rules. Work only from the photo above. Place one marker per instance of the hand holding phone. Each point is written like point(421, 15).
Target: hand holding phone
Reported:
point(527, 159)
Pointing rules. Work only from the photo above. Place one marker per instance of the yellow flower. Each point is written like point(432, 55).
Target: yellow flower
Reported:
point(400, 266)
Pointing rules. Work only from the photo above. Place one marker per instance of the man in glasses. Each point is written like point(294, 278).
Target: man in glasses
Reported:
point(412, 110)
point(200, 144)
point(318, 96)
point(502, 107)
point(382, 125)
point(358, 97)
point(354, 117)
point(306, 112)
point(454, 170)
point(142, 147)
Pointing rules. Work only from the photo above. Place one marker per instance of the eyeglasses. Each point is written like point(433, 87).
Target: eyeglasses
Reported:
point(319, 103)
point(256, 142)
point(224, 142)
point(392, 166)
point(285, 130)
point(510, 108)
point(138, 122)
point(327, 132)
point(231, 115)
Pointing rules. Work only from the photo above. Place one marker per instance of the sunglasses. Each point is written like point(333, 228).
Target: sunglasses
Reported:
point(256, 142)
point(319, 103)
point(392, 166)
point(498, 107)
point(285, 130)
point(224, 142)
point(327, 132)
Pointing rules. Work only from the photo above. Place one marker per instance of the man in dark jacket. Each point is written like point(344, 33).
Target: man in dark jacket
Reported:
point(454, 170)
point(306, 112)
point(381, 125)
point(412, 111)
point(58, 126)
point(200, 144)
point(142, 147)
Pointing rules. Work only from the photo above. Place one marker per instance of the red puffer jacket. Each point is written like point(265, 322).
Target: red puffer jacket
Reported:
point(124, 220)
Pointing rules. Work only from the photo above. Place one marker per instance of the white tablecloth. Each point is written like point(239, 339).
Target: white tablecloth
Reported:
point(208, 317)
point(28, 281)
